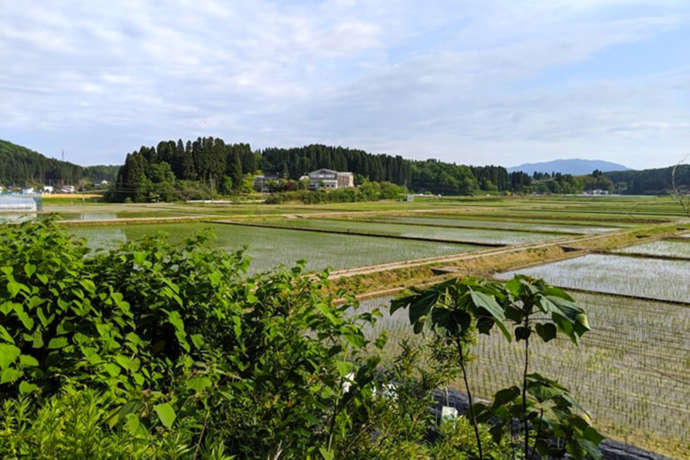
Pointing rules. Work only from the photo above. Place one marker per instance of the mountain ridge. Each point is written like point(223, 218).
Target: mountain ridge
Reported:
point(21, 165)
point(574, 166)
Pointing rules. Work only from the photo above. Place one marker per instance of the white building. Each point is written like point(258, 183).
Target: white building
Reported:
point(329, 179)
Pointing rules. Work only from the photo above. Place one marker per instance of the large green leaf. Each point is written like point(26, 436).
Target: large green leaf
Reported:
point(547, 331)
point(422, 304)
point(26, 387)
point(10, 375)
point(199, 383)
point(5, 335)
point(57, 342)
point(8, 354)
point(344, 367)
point(505, 396)
point(166, 414)
point(489, 303)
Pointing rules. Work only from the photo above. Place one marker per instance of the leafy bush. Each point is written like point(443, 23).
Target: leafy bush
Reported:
point(368, 191)
point(180, 336)
point(156, 351)
point(75, 424)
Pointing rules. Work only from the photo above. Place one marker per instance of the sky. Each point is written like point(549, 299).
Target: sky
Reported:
point(474, 82)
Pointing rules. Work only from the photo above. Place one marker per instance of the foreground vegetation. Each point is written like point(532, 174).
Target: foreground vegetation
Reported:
point(152, 350)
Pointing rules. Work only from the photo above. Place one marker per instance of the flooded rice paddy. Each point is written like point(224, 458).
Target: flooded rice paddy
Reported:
point(651, 278)
point(418, 231)
point(269, 247)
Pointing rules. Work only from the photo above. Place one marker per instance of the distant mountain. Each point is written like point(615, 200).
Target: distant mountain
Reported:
point(22, 166)
point(574, 166)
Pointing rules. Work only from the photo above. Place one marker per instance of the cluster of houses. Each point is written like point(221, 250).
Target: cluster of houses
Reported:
point(47, 189)
point(319, 179)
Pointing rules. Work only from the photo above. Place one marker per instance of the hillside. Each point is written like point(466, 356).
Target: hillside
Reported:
point(650, 181)
point(574, 166)
point(22, 166)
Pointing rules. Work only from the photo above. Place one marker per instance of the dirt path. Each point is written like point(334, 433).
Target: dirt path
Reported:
point(571, 247)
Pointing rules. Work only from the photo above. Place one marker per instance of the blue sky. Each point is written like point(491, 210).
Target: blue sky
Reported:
point(493, 81)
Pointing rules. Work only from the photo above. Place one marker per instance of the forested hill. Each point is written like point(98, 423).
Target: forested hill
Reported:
point(420, 176)
point(650, 181)
point(184, 169)
point(22, 166)
point(222, 166)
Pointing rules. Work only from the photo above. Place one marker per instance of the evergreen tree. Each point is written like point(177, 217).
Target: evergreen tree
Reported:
point(236, 169)
point(188, 167)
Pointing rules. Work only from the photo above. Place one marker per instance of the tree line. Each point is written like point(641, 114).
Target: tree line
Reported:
point(20, 166)
point(650, 181)
point(207, 166)
point(420, 176)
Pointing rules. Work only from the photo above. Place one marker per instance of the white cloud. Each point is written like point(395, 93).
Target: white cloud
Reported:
point(447, 79)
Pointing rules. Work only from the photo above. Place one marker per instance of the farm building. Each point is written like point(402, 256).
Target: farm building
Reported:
point(327, 178)
point(261, 182)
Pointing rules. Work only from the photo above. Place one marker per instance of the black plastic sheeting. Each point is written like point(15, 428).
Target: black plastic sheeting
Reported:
point(611, 450)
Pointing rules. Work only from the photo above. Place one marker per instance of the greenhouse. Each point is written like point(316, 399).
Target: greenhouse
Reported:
point(12, 203)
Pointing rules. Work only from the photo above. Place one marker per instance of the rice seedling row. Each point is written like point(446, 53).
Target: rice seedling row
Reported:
point(497, 224)
point(271, 247)
point(675, 248)
point(660, 279)
point(629, 371)
point(393, 229)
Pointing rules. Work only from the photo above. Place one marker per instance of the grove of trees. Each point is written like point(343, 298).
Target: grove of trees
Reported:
point(420, 176)
point(650, 181)
point(178, 170)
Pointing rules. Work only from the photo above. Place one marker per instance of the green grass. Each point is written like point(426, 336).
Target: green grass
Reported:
point(271, 247)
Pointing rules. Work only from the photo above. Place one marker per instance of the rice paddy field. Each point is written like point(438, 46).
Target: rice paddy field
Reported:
point(416, 231)
point(674, 248)
point(632, 370)
point(632, 276)
point(506, 225)
point(270, 247)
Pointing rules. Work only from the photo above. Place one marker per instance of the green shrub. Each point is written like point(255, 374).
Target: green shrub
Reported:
point(159, 351)
point(181, 334)
point(368, 191)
